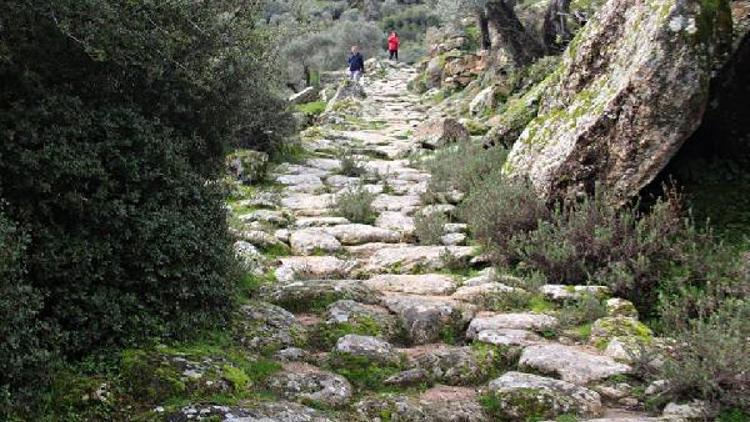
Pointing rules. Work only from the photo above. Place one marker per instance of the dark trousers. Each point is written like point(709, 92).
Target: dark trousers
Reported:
point(393, 54)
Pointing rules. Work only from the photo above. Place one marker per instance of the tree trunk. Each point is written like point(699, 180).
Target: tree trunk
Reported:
point(555, 33)
point(522, 47)
point(484, 30)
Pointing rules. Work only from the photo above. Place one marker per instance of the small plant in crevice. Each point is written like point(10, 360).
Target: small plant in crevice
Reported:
point(454, 264)
point(582, 310)
point(429, 227)
point(355, 204)
point(350, 164)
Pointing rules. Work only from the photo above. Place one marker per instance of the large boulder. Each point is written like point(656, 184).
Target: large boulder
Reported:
point(436, 133)
point(631, 88)
point(570, 364)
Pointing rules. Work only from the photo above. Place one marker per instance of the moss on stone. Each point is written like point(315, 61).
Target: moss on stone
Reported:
point(363, 373)
point(525, 404)
point(605, 329)
point(326, 335)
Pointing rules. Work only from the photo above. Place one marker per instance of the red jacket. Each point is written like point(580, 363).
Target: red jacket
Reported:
point(393, 43)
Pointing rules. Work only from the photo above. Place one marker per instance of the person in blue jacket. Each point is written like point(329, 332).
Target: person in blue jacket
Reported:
point(356, 64)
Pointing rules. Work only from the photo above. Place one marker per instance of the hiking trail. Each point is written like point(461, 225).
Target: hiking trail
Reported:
point(371, 325)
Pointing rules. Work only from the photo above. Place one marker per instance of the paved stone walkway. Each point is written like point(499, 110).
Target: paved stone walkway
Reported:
point(362, 309)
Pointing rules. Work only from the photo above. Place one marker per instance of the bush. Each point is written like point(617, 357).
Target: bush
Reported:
point(463, 166)
point(25, 350)
point(429, 227)
point(497, 210)
point(350, 165)
point(355, 204)
point(711, 359)
point(117, 117)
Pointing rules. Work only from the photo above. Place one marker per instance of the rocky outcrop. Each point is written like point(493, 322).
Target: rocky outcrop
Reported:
point(631, 88)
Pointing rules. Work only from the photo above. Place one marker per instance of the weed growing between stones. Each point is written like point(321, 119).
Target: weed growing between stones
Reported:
point(585, 309)
point(429, 227)
point(350, 164)
point(355, 204)
point(363, 373)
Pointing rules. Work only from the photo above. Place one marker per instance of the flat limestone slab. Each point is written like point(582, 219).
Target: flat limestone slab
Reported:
point(312, 267)
point(406, 259)
point(516, 321)
point(570, 363)
point(419, 284)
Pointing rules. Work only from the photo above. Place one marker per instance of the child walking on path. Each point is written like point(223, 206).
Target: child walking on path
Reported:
point(356, 64)
point(393, 43)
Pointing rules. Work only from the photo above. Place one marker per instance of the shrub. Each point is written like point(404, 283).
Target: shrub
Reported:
point(118, 116)
point(429, 227)
point(355, 204)
point(25, 349)
point(463, 166)
point(350, 165)
point(585, 309)
point(711, 359)
point(497, 209)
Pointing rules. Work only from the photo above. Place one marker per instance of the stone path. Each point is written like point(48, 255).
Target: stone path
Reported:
point(373, 326)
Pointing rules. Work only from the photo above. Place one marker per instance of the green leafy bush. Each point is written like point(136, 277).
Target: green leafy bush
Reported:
point(24, 350)
point(115, 119)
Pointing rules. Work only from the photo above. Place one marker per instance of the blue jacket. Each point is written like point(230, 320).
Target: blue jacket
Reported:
point(356, 62)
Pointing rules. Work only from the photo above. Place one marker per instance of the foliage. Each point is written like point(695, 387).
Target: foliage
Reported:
point(355, 204)
point(25, 349)
point(115, 118)
point(350, 164)
point(410, 22)
point(585, 309)
point(429, 227)
point(497, 209)
point(463, 166)
point(711, 362)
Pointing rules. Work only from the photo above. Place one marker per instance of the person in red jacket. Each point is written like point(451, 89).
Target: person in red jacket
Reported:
point(393, 43)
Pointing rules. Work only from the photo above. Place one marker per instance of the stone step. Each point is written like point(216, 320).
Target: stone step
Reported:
point(417, 284)
point(572, 364)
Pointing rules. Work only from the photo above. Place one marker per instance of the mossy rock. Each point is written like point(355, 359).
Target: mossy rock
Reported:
point(265, 328)
point(519, 396)
point(154, 377)
point(349, 317)
point(605, 329)
point(364, 373)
